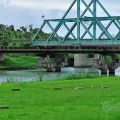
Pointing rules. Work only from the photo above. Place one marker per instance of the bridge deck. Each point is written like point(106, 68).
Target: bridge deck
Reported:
point(68, 42)
point(102, 49)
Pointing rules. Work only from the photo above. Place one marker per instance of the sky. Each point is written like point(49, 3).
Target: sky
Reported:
point(26, 12)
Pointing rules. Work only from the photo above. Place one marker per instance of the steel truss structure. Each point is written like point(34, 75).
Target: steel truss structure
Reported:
point(104, 36)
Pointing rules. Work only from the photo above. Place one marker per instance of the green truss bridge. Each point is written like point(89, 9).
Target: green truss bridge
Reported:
point(86, 29)
point(88, 32)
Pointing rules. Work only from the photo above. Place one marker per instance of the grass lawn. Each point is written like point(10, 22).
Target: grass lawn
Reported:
point(19, 61)
point(86, 99)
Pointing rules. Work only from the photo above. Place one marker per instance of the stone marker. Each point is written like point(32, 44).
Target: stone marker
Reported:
point(58, 88)
point(4, 107)
point(105, 87)
point(15, 89)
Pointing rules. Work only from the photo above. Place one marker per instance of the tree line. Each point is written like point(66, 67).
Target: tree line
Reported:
point(10, 33)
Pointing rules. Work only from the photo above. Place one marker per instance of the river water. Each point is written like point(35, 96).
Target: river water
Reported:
point(40, 74)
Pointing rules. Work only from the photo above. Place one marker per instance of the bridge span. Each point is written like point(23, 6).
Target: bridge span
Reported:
point(74, 49)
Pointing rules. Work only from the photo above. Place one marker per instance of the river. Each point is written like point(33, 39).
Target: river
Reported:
point(40, 74)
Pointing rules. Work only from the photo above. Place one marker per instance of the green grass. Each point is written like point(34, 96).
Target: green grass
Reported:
point(62, 100)
point(79, 76)
point(20, 61)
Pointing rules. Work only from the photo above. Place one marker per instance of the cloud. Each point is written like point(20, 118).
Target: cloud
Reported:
point(55, 4)
point(40, 4)
point(24, 12)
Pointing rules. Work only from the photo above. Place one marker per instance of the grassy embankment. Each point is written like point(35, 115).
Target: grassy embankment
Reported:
point(86, 99)
point(19, 61)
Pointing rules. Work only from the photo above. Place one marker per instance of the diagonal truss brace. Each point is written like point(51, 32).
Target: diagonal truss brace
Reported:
point(80, 22)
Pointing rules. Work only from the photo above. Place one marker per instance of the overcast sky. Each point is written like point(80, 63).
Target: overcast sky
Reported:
point(25, 12)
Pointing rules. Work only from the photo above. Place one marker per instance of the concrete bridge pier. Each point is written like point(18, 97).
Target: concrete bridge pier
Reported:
point(2, 57)
point(57, 69)
point(49, 69)
point(108, 72)
point(112, 72)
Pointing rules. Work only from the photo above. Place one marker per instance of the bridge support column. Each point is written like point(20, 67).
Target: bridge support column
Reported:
point(108, 72)
point(112, 72)
point(1, 57)
point(57, 69)
point(49, 69)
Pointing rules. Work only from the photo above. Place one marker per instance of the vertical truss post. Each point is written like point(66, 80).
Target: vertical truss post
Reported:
point(79, 23)
point(78, 20)
point(94, 22)
point(61, 21)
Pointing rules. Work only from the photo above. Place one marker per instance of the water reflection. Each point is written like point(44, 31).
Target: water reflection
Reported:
point(32, 75)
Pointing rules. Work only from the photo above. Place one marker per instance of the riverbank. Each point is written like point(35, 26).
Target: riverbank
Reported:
point(19, 62)
point(86, 99)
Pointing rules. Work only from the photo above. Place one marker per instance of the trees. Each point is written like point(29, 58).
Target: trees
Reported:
point(2, 31)
point(24, 29)
point(10, 35)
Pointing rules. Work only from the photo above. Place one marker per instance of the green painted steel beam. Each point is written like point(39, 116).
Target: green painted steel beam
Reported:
point(68, 33)
point(53, 30)
point(83, 13)
point(106, 10)
point(109, 24)
point(69, 30)
point(88, 7)
point(39, 31)
point(103, 8)
point(85, 19)
point(93, 22)
point(108, 35)
point(78, 20)
point(86, 31)
point(117, 36)
point(61, 22)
